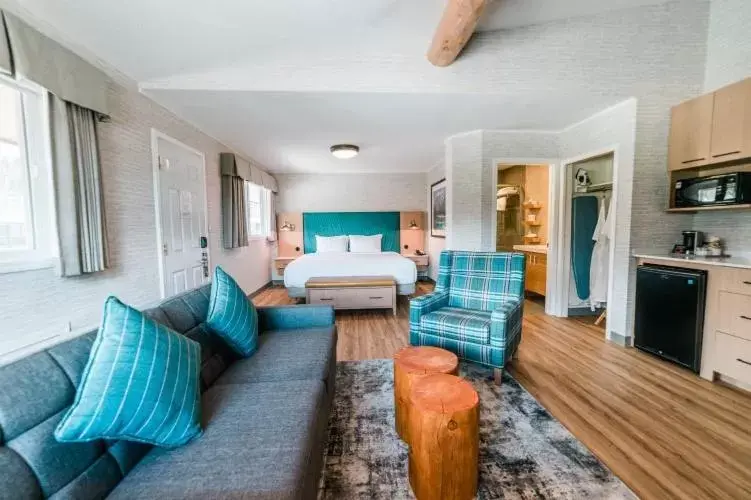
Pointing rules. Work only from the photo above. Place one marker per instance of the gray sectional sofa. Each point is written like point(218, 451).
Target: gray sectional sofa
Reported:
point(264, 417)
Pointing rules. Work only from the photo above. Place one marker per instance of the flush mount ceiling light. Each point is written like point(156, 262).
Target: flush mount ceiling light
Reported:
point(344, 151)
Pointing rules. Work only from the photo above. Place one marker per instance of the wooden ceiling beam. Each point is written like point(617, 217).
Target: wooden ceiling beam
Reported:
point(455, 29)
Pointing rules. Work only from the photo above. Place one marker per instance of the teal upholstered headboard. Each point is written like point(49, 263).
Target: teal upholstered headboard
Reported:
point(346, 223)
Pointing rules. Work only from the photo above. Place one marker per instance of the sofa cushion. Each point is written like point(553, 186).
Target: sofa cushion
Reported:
point(32, 462)
point(459, 324)
point(186, 313)
point(297, 354)
point(140, 384)
point(260, 441)
point(232, 315)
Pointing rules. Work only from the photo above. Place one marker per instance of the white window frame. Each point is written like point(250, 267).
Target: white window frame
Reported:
point(265, 205)
point(35, 145)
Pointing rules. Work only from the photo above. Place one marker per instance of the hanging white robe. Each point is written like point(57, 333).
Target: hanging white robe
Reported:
point(599, 269)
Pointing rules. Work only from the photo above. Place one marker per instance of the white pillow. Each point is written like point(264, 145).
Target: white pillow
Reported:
point(365, 244)
point(329, 244)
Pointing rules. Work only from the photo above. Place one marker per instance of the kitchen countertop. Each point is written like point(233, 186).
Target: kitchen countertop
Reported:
point(531, 248)
point(740, 260)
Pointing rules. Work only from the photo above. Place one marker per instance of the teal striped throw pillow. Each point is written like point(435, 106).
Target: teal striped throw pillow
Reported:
point(232, 315)
point(140, 384)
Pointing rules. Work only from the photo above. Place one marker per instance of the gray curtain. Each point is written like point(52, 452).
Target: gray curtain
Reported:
point(79, 203)
point(57, 69)
point(272, 217)
point(234, 232)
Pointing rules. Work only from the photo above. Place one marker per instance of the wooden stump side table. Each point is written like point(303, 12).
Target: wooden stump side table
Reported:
point(444, 438)
point(410, 364)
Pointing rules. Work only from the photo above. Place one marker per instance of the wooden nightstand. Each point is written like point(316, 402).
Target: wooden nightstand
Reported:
point(280, 263)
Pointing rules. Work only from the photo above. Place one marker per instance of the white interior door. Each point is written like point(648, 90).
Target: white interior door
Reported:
point(181, 192)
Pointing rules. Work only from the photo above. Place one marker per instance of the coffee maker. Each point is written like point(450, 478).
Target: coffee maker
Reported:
point(692, 240)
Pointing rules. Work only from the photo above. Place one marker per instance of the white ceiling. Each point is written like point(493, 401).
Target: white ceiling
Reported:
point(221, 64)
point(292, 131)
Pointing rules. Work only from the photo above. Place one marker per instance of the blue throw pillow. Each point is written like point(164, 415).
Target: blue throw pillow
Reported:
point(140, 384)
point(232, 315)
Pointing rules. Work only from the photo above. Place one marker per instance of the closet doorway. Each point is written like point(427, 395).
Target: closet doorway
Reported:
point(522, 212)
point(589, 228)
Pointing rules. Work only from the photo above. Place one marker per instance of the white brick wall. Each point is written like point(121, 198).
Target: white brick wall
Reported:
point(728, 43)
point(464, 179)
point(37, 303)
point(614, 128)
point(350, 192)
point(728, 61)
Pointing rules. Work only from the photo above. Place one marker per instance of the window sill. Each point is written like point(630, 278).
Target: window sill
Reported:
point(19, 266)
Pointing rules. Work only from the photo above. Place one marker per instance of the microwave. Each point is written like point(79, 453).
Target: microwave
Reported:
point(725, 189)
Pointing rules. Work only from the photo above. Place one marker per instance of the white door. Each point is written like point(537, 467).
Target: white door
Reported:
point(181, 193)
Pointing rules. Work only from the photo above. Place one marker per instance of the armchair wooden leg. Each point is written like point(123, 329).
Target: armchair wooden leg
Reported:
point(497, 376)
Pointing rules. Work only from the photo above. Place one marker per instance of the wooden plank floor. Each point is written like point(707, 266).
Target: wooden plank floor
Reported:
point(664, 431)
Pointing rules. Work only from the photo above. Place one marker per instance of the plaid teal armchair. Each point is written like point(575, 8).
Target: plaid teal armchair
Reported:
point(476, 308)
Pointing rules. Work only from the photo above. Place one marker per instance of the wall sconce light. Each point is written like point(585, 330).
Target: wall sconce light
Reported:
point(287, 226)
point(413, 225)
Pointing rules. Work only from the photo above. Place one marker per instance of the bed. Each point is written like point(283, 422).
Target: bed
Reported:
point(319, 265)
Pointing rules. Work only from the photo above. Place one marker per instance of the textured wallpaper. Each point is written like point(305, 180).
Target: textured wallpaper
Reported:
point(728, 61)
point(350, 192)
point(125, 145)
point(464, 204)
point(614, 128)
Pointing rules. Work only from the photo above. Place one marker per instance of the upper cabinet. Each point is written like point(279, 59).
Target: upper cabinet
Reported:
point(731, 122)
point(691, 133)
point(711, 129)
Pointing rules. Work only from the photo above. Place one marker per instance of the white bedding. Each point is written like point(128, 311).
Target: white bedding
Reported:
point(317, 265)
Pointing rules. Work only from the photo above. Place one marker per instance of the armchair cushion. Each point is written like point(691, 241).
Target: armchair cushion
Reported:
point(420, 306)
point(460, 324)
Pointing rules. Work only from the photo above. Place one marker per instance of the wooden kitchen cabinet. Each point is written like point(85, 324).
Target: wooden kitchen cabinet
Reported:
point(712, 129)
point(537, 272)
point(691, 133)
point(731, 123)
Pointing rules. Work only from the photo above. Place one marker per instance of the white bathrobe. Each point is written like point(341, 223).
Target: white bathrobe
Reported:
point(599, 270)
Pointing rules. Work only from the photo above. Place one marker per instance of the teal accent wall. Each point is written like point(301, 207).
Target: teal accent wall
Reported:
point(355, 223)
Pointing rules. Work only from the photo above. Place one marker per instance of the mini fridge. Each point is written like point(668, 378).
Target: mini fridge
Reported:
point(670, 313)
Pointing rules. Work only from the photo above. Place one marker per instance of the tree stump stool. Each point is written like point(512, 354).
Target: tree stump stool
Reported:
point(444, 438)
point(410, 364)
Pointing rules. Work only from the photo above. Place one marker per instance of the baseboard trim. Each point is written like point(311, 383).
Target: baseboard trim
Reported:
point(264, 287)
point(622, 340)
point(584, 311)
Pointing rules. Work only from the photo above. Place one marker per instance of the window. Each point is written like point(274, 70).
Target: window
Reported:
point(257, 210)
point(25, 194)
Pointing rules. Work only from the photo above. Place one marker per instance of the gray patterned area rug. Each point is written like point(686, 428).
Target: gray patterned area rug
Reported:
point(524, 452)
